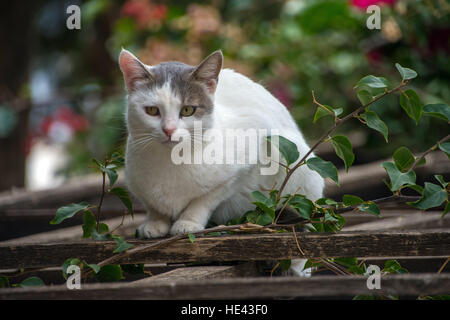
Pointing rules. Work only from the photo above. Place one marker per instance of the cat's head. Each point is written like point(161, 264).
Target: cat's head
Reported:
point(166, 99)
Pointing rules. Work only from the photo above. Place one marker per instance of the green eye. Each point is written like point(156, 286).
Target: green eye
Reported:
point(187, 111)
point(152, 111)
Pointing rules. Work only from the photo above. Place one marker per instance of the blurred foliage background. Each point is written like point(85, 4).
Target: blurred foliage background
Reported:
point(292, 47)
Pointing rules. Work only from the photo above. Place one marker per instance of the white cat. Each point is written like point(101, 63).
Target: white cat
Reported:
point(167, 99)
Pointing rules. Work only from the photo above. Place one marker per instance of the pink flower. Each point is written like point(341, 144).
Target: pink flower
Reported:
point(363, 4)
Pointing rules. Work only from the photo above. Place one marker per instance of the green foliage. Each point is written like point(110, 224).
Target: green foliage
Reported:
point(110, 273)
point(410, 102)
point(373, 121)
point(287, 148)
point(31, 282)
point(69, 211)
point(398, 178)
point(344, 150)
point(191, 237)
point(438, 110)
point(124, 196)
point(433, 196)
point(406, 73)
point(122, 245)
point(326, 169)
point(403, 159)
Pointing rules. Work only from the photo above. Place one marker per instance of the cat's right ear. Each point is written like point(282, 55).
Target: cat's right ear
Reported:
point(134, 71)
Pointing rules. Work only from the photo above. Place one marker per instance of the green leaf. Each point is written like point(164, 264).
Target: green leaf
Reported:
point(287, 148)
point(364, 96)
point(122, 245)
point(94, 267)
point(4, 282)
point(326, 201)
point(403, 158)
point(370, 207)
point(446, 209)
point(260, 197)
point(32, 282)
point(110, 273)
point(374, 122)
point(438, 110)
point(124, 197)
point(445, 147)
point(397, 177)
point(406, 73)
point(392, 266)
point(285, 264)
point(344, 150)
point(191, 237)
point(112, 174)
point(415, 187)
point(303, 205)
point(433, 196)
point(441, 180)
point(328, 111)
point(89, 224)
point(350, 200)
point(372, 82)
point(326, 169)
point(117, 159)
point(264, 219)
point(265, 209)
point(69, 211)
point(410, 102)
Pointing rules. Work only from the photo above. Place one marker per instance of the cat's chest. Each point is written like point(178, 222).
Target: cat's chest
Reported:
point(168, 187)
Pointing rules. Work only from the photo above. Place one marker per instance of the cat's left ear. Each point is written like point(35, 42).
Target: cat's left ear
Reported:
point(208, 70)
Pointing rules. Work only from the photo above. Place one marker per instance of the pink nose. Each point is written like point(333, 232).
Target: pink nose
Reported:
point(169, 131)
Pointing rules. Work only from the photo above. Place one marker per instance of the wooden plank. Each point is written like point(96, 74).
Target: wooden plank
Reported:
point(204, 272)
point(76, 232)
point(408, 220)
point(411, 285)
point(239, 247)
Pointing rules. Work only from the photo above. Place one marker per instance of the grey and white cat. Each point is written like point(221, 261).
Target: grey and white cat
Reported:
point(166, 99)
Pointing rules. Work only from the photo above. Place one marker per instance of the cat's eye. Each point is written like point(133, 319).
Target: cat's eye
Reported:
point(187, 111)
point(152, 111)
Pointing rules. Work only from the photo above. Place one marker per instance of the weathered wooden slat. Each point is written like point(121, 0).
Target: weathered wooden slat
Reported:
point(204, 272)
point(409, 220)
point(243, 288)
point(239, 247)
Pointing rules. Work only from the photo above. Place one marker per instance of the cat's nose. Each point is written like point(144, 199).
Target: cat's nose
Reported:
point(169, 131)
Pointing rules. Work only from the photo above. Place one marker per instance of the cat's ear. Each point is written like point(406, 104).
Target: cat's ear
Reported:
point(134, 71)
point(208, 70)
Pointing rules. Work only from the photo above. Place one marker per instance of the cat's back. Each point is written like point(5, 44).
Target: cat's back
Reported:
point(239, 97)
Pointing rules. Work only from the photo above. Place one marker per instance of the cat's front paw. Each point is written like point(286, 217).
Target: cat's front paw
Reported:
point(185, 226)
point(152, 229)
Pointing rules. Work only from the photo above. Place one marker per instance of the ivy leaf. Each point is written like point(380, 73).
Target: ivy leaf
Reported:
point(410, 102)
point(285, 264)
point(287, 148)
point(303, 205)
point(370, 207)
point(364, 96)
point(69, 211)
point(350, 200)
point(94, 267)
point(124, 197)
point(328, 111)
point(122, 245)
point(326, 169)
point(372, 82)
point(31, 282)
point(438, 110)
point(406, 73)
point(433, 196)
point(110, 273)
point(446, 209)
point(397, 177)
point(441, 180)
point(112, 173)
point(89, 223)
point(191, 237)
point(326, 201)
point(264, 219)
point(4, 282)
point(445, 147)
point(261, 198)
point(344, 150)
point(392, 266)
point(373, 121)
point(133, 268)
point(403, 158)
point(117, 159)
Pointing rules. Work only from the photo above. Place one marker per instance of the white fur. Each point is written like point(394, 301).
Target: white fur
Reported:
point(189, 195)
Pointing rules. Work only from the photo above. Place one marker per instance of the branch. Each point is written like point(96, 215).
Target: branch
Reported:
point(434, 147)
point(336, 125)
